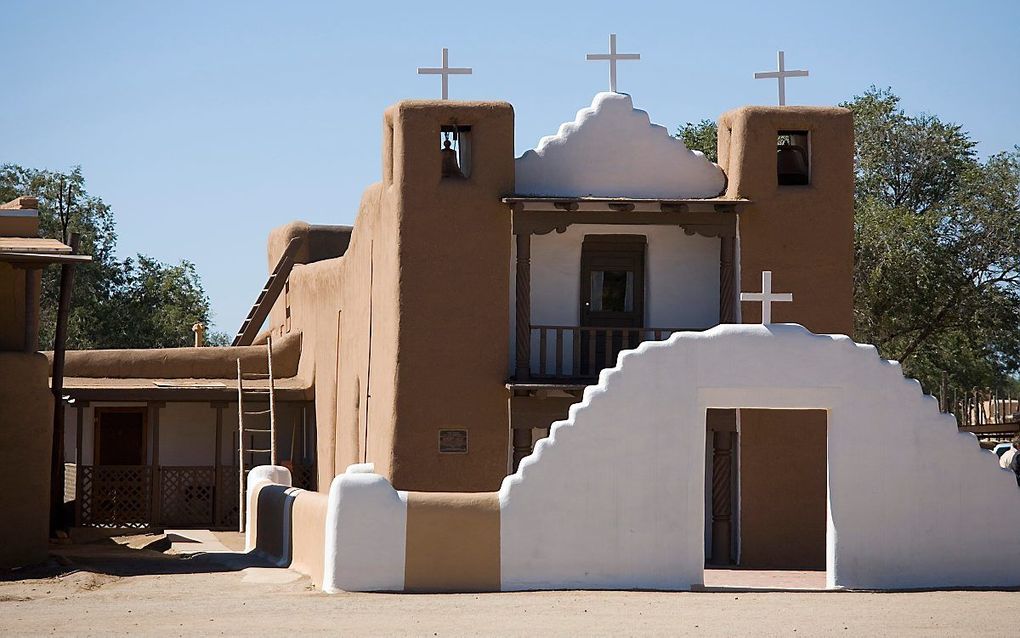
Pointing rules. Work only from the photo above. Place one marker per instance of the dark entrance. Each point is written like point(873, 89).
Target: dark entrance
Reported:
point(612, 298)
point(120, 436)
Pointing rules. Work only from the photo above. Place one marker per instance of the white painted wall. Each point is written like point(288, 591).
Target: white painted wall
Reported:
point(612, 149)
point(681, 280)
point(912, 501)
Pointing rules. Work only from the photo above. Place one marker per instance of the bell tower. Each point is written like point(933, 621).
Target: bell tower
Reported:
point(795, 164)
point(446, 167)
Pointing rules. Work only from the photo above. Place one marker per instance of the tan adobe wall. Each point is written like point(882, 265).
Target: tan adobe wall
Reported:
point(804, 235)
point(423, 281)
point(183, 363)
point(12, 305)
point(26, 426)
point(13, 224)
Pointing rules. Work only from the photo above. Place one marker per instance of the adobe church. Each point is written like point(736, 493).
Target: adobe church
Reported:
point(475, 298)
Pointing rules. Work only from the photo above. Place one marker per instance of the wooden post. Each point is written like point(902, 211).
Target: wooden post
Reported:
point(217, 495)
point(154, 407)
point(57, 516)
point(523, 368)
point(727, 280)
point(79, 456)
point(272, 403)
point(240, 450)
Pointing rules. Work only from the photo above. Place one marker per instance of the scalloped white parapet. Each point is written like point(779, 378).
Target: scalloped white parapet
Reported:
point(614, 497)
point(612, 149)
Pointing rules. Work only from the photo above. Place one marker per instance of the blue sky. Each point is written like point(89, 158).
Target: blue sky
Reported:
point(206, 124)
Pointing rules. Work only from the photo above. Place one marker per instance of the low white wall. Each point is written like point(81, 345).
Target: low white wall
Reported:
point(366, 527)
point(613, 498)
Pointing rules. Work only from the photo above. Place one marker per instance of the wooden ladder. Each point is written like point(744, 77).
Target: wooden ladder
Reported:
point(270, 293)
point(254, 395)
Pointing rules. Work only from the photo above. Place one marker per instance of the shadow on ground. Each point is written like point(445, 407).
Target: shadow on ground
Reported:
point(146, 555)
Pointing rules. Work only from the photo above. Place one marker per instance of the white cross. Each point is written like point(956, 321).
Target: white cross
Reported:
point(781, 75)
point(446, 71)
point(766, 297)
point(612, 56)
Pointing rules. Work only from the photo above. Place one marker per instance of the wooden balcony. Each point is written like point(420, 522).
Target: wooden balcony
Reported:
point(576, 354)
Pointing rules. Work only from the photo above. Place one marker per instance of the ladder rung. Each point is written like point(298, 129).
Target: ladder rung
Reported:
point(247, 430)
point(257, 451)
point(254, 375)
point(257, 412)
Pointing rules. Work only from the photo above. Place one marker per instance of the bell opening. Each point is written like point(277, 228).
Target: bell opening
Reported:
point(793, 158)
point(455, 151)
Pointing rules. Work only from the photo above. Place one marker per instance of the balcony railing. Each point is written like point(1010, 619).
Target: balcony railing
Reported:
point(579, 353)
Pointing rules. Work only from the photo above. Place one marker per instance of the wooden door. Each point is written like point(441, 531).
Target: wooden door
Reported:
point(612, 298)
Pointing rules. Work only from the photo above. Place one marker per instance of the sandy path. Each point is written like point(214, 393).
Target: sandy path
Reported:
point(120, 591)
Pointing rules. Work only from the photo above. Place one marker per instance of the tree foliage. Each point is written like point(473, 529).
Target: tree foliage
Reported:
point(937, 260)
point(701, 136)
point(138, 302)
point(937, 244)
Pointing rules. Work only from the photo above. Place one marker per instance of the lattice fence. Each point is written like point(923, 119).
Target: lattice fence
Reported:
point(115, 495)
point(303, 476)
point(187, 496)
point(226, 503)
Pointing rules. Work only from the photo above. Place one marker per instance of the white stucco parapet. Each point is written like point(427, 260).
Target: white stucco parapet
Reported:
point(365, 536)
point(612, 149)
point(257, 477)
point(614, 497)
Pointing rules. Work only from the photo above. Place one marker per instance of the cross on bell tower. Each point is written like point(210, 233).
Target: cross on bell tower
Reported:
point(781, 75)
point(446, 71)
point(612, 57)
point(766, 297)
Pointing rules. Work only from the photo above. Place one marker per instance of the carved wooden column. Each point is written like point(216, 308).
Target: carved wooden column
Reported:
point(722, 497)
point(522, 445)
point(79, 455)
point(727, 279)
point(522, 370)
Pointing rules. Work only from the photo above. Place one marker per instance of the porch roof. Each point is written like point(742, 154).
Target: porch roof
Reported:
point(182, 390)
point(625, 204)
point(37, 250)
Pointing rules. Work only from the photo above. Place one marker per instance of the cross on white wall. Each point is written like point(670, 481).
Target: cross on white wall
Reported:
point(781, 75)
point(446, 71)
point(612, 56)
point(766, 297)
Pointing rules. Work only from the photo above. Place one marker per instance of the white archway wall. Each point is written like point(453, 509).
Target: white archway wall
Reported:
point(681, 279)
point(613, 498)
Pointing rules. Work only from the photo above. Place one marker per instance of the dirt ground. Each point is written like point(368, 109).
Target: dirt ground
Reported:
point(119, 588)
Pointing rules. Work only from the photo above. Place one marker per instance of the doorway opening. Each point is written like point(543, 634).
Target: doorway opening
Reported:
point(120, 436)
point(766, 498)
point(612, 298)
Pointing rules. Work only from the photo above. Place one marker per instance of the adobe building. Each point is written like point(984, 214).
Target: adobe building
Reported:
point(26, 404)
point(480, 294)
point(475, 298)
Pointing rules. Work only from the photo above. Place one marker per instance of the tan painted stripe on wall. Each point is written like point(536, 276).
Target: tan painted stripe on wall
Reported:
point(452, 542)
point(309, 534)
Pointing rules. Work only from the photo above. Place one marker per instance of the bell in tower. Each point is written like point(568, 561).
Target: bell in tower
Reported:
point(451, 164)
point(792, 160)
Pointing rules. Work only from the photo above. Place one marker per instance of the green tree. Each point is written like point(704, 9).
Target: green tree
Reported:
point(135, 303)
point(702, 136)
point(937, 246)
point(937, 259)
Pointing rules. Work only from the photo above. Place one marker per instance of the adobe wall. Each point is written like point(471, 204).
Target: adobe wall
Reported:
point(401, 289)
point(804, 235)
point(26, 431)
